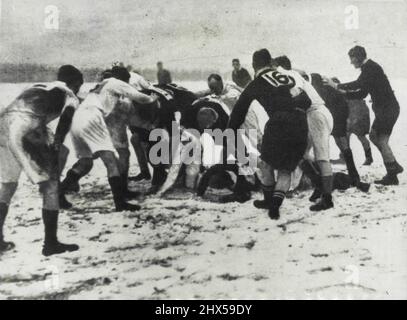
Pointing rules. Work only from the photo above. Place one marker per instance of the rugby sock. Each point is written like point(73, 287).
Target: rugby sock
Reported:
point(3, 215)
point(278, 198)
point(275, 204)
point(71, 178)
point(50, 219)
point(268, 194)
point(311, 172)
point(116, 184)
point(51, 244)
point(327, 184)
point(350, 164)
point(368, 156)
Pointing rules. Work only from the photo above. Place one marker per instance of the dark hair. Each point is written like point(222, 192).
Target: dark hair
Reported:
point(358, 52)
point(69, 74)
point(215, 76)
point(316, 80)
point(107, 74)
point(121, 73)
point(283, 61)
point(236, 61)
point(262, 58)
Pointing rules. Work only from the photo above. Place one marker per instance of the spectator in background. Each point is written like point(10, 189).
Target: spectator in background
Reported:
point(163, 75)
point(240, 75)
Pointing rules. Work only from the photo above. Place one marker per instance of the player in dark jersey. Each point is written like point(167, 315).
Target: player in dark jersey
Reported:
point(286, 133)
point(26, 144)
point(374, 81)
point(339, 109)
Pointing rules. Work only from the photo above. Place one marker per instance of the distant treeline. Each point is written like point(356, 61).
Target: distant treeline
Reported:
point(15, 73)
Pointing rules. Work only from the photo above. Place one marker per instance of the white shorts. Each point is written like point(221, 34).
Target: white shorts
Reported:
point(15, 158)
point(90, 134)
point(320, 124)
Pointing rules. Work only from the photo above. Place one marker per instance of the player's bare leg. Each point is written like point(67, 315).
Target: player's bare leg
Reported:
point(50, 212)
point(368, 150)
point(115, 181)
point(7, 191)
point(282, 186)
point(381, 141)
point(326, 185)
point(268, 182)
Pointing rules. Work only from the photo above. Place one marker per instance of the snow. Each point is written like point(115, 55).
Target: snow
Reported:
point(182, 247)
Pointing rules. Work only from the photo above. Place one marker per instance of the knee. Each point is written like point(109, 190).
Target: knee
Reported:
point(49, 191)
point(124, 154)
point(374, 138)
point(83, 166)
point(7, 191)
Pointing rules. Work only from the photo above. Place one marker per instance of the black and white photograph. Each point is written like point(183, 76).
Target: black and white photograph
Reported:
point(203, 150)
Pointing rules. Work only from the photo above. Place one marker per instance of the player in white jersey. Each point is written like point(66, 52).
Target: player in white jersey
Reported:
point(320, 124)
point(27, 144)
point(92, 138)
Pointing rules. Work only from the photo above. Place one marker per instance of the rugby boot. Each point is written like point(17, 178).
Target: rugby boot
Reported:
point(325, 203)
point(116, 185)
point(4, 246)
point(141, 177)
point(265, 203)
point(275, 205)
point(71, 182)
point(51, 244)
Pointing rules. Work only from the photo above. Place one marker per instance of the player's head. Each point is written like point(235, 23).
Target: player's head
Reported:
point(107, 74)
point(215, 83)
point(261, 59)
point(207, 117)
point(357, 56)
point(71, 76)
point(160, 65)
point(121, 73)
point(336, 80)
point(316, 80)
point(236, 64)
point(284, 62)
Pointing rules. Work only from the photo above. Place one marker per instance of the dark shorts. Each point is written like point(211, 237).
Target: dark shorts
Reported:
point(385, 120)
point(285, 140)
point(340, 127)
point(359, 118)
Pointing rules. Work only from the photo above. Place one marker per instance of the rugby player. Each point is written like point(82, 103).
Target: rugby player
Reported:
point(320, 124)
point(374, 81)
point(285, 138)
point(92, 139)
point(26, 144)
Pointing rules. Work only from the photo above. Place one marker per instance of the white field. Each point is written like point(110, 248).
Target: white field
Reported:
point(187, 248)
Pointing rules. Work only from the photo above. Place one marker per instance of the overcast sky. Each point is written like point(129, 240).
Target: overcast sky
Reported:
point(191, 34)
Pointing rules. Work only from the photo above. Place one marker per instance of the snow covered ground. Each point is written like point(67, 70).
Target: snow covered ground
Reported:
point(182, 247)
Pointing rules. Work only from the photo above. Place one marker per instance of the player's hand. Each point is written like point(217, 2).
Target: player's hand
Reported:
point(155, 97)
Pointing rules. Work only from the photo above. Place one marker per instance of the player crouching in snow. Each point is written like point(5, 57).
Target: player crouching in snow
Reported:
point(91, 137)
point(27, 145)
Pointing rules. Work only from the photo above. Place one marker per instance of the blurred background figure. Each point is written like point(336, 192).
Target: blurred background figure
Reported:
point(163, 75)
point(240, 75)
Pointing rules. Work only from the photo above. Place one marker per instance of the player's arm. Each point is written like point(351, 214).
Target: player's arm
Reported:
point(241, 109)
point(65, 121)
point(126, 90)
